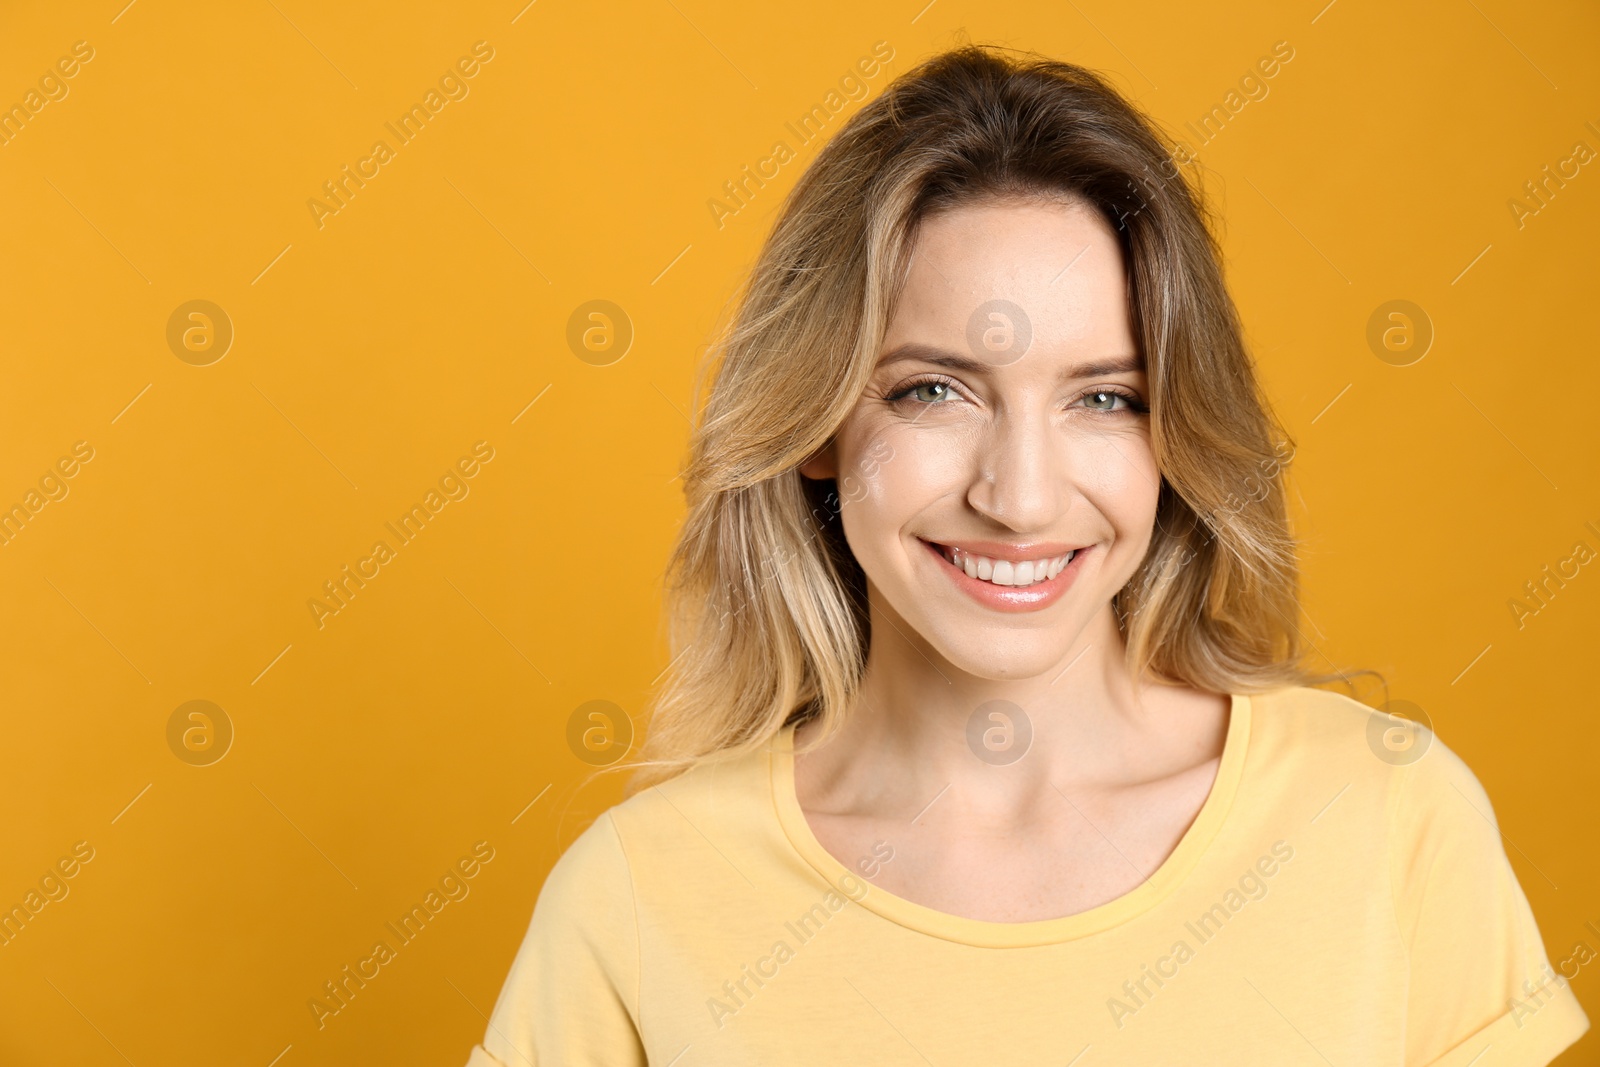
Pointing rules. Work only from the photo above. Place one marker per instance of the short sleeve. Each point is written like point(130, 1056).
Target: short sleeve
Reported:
point(1481, 990)
point(572, 995)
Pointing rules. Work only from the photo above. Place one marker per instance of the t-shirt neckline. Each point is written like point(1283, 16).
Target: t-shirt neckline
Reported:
point(988, 934)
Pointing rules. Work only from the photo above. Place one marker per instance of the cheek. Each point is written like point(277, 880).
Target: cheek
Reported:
point(890, 475)
point(1118, 474)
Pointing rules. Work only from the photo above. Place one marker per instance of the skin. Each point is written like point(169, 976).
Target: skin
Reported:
point(1013, 449)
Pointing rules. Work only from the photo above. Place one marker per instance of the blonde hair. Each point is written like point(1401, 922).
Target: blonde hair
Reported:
point(766, 605)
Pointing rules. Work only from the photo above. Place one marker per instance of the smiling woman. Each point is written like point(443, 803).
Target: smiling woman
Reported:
point(987, 568)
point(996, 441)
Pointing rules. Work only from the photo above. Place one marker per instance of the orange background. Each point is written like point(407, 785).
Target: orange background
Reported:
point(372, 352)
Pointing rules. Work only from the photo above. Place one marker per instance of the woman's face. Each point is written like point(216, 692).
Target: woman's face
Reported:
point(1003, 440)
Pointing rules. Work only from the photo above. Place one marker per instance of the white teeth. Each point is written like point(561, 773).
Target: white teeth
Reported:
point(1005, 572)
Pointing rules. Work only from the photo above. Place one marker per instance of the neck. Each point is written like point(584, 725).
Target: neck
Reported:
point(920, 724)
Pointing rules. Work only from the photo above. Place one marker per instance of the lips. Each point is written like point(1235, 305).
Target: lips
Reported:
point(1009, 577)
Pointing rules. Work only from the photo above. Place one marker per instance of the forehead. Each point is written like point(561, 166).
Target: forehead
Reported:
point(1059, 262)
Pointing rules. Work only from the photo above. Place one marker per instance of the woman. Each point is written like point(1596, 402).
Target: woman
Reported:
point(987, 739)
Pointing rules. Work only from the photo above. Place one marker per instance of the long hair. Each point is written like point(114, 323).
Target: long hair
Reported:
point(766, 606)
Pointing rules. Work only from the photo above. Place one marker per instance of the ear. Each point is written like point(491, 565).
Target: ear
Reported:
point(822, 464)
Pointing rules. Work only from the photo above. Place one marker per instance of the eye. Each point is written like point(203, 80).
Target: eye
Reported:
point(1108, 400)
point(926, 392)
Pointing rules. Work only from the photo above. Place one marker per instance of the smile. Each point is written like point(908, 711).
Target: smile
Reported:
point(1003, 571)
point(1010, 584)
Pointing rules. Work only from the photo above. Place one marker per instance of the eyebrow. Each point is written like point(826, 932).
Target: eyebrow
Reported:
point(942, 357)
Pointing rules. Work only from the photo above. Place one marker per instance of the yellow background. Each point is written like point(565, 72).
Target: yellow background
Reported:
point(429, 312)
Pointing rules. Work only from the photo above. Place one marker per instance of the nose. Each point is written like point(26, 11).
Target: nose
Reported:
point(1021, 472)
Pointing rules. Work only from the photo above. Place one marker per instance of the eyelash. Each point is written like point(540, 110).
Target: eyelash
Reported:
point(1134, 403)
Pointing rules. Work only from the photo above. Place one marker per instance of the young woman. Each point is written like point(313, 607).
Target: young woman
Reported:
point(987, 738)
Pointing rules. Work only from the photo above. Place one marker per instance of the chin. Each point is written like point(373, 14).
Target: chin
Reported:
point(998, 655)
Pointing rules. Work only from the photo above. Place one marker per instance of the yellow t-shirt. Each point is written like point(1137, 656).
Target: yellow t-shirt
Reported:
point(1338, 900)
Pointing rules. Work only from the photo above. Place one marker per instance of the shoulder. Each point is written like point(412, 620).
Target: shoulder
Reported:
point(582, 944)
point(1405, 798)
point(1310, 716)
point(1393, 764)
point(1437, 818)
point(723, 795)
point(725, 802)
point(1443, 828)
point(574, 983)
point(590, 882)
point(1298, 727)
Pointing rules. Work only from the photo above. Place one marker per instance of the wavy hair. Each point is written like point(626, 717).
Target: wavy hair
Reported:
point(766, 606)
